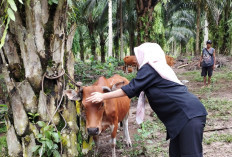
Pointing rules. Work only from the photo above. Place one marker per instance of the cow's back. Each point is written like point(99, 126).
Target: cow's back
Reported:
point(116, 79)
point(123, 103)
point(102, 81)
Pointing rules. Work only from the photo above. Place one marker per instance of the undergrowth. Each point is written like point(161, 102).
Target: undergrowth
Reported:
point(89, 72)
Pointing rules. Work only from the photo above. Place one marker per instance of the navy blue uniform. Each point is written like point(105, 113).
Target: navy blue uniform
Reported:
point(172, 102)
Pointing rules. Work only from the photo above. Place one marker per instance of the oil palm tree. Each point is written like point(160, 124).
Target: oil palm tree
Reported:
point(179, 23)
point(110, 31)
point(36, 55)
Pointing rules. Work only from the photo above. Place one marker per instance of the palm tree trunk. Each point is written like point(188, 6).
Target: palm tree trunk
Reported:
point(225, 44)
point(230, 48)
point(131, 42)
point(121, 31)
point(102, 44)
point(198, 27)
point(172, 47)
point(81, 42)
point(180, 48)
point(38, 50)
point(110, 48)
point(144, 11)
point(206, 29)
point(93, 48)
point(175, 49)
point(92, 40)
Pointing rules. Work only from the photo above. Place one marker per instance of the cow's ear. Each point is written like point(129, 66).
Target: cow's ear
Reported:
point(117, 85)
point(72, 95)
point(106, 89)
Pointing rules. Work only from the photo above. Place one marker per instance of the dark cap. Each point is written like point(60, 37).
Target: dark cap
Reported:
point(209, 42)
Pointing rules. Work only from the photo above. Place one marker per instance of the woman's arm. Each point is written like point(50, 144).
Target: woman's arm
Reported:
point(99, 97)
point(146, 77)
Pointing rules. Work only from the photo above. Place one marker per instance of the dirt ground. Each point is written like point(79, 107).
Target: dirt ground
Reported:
point(218, 101)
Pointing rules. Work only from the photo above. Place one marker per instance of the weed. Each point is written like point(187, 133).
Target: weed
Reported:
point(144, 143)
point(3, 146)
point(218, 138)
point(218, 107)
point(3, 111)
point(3, 129)
point(49, 140)
point(33, 117)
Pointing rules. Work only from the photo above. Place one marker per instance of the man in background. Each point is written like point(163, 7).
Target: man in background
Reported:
point(207, 62)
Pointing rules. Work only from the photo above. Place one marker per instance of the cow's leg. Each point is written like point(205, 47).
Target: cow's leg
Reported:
point(114, 129)
point(126, 134)
point(96, 141)
point(127, 69)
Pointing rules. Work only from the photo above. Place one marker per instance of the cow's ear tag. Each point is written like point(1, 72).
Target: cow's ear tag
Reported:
point(117, 85)
point(72, 94)
point(106, 89)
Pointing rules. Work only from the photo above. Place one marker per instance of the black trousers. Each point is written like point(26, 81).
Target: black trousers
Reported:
point(189, 142)
point(207, 71)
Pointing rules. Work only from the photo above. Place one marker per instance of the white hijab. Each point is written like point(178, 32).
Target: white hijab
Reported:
point(152, 54)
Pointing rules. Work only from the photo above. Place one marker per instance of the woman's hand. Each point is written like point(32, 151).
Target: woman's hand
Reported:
point(95, 97)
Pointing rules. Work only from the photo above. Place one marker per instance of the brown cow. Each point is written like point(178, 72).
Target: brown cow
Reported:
point(129, 69)
point(130, 61)
point(101, 116)
point(170, 60)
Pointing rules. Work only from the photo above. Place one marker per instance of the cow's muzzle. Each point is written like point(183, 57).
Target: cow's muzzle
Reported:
point(93, 131)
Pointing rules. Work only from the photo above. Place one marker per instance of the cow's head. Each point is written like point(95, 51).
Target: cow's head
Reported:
point(94, 111)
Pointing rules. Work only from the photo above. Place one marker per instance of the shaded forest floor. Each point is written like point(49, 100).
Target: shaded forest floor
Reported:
point(149, 139)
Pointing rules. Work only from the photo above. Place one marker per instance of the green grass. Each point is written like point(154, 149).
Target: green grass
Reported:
point(191, 73)
point(3, 146)
point(223, 74)
point(218, 138)
point(219, 108)
point(215, 104)
point(3, 129)
point(148, 141)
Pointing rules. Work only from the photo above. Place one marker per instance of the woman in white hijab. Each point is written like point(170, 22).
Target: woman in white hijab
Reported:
point(181, 112)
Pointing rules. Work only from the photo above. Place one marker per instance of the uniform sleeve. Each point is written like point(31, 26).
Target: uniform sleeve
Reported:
point(145, 78)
